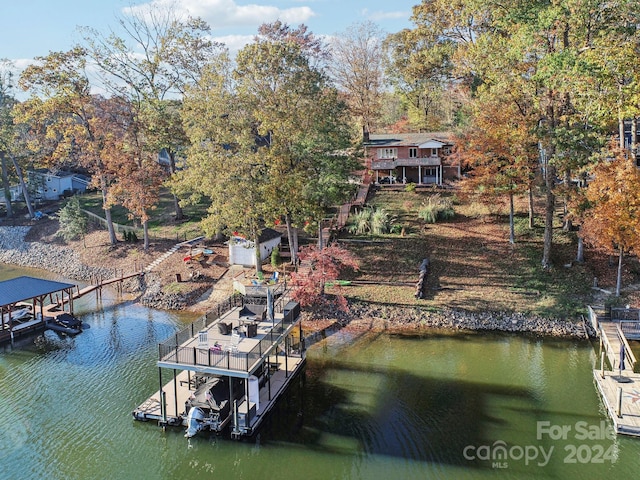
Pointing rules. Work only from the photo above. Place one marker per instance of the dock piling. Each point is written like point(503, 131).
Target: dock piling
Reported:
point(602, 365)
point(619, 412)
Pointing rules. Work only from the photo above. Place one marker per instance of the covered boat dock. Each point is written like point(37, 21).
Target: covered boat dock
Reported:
point(265, 357)
point(26, 301)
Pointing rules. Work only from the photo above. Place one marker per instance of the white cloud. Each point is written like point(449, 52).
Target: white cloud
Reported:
point(227, 13)
point(234, 43)
point(380, 15)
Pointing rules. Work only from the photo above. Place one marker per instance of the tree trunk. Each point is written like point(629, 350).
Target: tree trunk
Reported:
point(145, 230)
point(550, 204)
point(320, 242)
point(580, 254)
point(634, 140)
point(6, 186)
point(107, 211)
point(23, 185)
point(566, 225)
point(176, 201)
point(512, 230)
point(292, 241)
point(619, 277)
point(258, 255)
point(620, 118)
point(531, 207)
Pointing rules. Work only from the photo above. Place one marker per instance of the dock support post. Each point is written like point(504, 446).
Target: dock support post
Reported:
point(175, 390)
point(602, 365)
point(619, 412)
point(163, 408)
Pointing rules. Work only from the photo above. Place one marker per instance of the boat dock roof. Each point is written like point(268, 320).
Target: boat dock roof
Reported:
point(24, 288)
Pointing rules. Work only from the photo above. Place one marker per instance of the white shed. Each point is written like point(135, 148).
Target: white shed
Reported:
point(242, 251)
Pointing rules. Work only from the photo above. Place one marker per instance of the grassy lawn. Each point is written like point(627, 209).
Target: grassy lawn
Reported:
point(473, 266)
point(162, 222)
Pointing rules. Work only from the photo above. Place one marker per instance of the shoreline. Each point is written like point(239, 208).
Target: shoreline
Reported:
point(398, 319)
point(362, 316)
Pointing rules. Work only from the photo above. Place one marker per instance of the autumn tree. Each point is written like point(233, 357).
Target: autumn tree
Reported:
point(325, 265)
point(613, 217)
point(151, 65)
point(498, 149)
point(67, 123)
point(137, 174)
point(356, 66)
point(420, 80)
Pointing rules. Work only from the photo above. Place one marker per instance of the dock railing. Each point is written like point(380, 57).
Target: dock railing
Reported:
point(630, 358)
point(173, 351)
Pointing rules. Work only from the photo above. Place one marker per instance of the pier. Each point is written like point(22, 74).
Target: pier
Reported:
point(618, 385)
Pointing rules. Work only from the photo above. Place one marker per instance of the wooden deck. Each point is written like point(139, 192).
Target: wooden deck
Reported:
point(627, 420)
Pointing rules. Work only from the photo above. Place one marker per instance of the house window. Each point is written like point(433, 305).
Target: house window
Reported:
point(434, 152)
point(413, 152)
point(387, 153)
point(446, 150)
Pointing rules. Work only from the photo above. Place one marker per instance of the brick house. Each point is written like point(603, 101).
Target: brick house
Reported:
point(420, 158)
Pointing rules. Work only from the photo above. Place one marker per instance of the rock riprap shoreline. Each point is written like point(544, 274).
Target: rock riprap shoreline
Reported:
point(364, 316)
point(54, 258)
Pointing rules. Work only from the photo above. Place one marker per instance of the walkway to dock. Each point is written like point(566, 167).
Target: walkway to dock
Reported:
point(615, 327)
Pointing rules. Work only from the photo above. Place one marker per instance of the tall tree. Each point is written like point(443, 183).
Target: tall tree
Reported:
point(272, 143)
point(68, 124)
point(499, 149)
point(158, 57)
point(356, 66)
point(613, 219)
point(7, 101)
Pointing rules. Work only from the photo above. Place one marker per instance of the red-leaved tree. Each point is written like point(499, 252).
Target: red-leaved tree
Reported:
point(319, 266)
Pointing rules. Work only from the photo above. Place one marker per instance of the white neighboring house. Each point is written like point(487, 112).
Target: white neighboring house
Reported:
point(53, 186)
point(45, 185)
point(243, 252)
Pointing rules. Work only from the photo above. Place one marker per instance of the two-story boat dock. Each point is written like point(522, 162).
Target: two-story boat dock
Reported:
point(255, 348)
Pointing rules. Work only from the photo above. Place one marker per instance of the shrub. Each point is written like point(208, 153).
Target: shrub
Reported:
point(436, 208)
point(360, 222)
point(410, 187)
point(73, 223)
point(374, 221)
point(275, 257)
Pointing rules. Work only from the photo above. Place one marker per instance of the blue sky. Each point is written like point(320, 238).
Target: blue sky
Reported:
point(30, 28)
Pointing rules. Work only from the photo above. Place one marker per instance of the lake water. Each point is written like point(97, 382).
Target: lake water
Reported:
point(373, 407)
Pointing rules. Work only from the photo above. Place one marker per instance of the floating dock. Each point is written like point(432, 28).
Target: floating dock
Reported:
point(261, 344)
point(621, 398)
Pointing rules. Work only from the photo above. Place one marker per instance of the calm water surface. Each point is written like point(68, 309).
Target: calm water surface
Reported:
point(374, 407)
